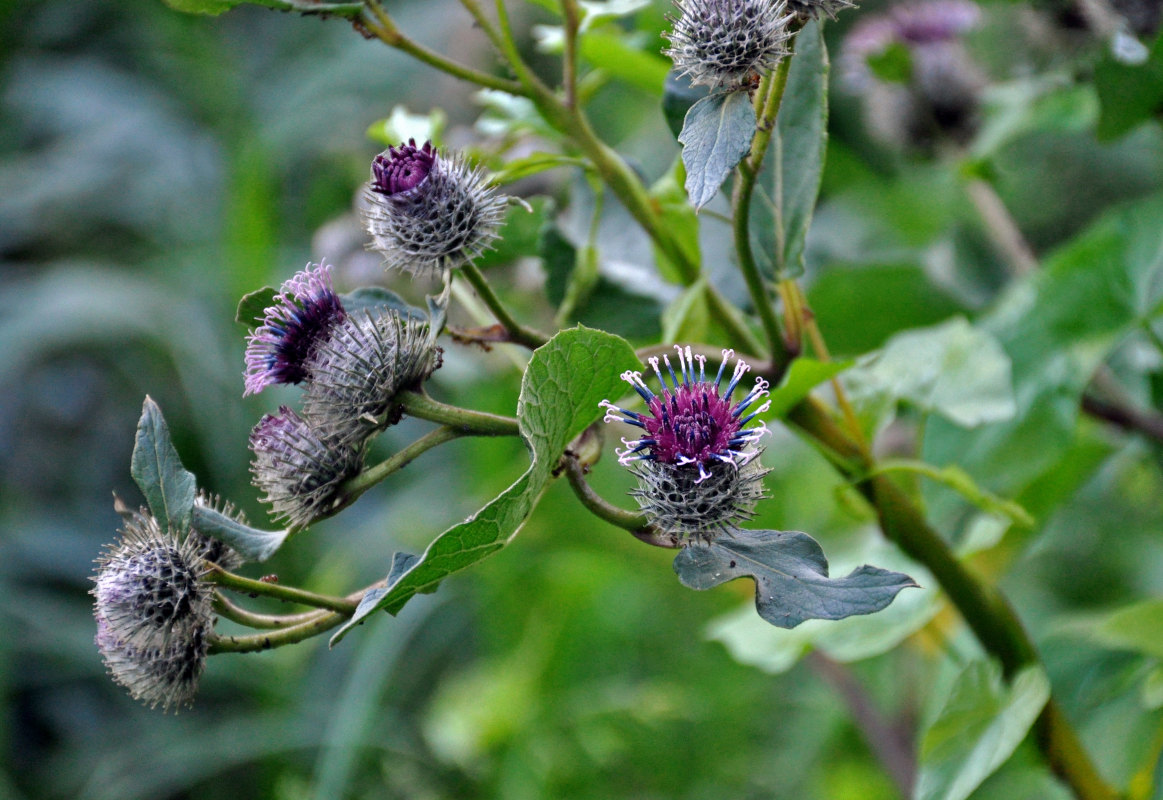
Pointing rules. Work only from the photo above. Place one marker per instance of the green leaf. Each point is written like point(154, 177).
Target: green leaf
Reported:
point(250, 543)
point(791, 576)
point(521, 233)
point(688, 317)
point(752, 641)
point(952, 369)
point(533, 164)
point(979, 727)
point(252, 307)
point(1137, 627)
point(614, 54)
point(716, 134)
point(168, 488)
point(678, 95)
point(670, 200)
point(1032, 105)
point(961, 482)
point(892, 65)
point(1129, 94)
point(789, 179)
point(401, 125)
point(377, 298)
point(805, 374)
point(560, 392)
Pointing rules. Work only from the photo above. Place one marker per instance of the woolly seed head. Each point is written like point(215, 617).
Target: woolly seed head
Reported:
point(428, 212)
point(364, 364)
point(299, 471)
point(722, 43)
point(153, 613)
point(304, 312)
point(695, 459)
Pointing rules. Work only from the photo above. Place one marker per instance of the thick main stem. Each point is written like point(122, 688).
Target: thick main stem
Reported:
point(984, 608)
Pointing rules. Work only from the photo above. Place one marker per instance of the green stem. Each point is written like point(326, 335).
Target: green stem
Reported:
point(356, 486)
point(267, 641)
point(288, 594)
point(474, 9)
point(984, 608)
point(572, 15)
point(462, 420)
point(636, 524)
point(231, 611)
point(518, 333)
point(386, 31)
point(770, 98)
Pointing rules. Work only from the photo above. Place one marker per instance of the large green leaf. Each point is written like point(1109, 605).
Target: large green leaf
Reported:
point(156, 468)
point(1057, 326)
point(979, 727)
point(790, 176)
point(716, 134)
point(790, 574)
point(560, 392)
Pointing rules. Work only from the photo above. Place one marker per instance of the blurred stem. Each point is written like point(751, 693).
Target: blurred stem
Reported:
point(821, 349)
point(386, 31)
point(461, 420)
point(585, 269)
point(572, 14)
point(225, 608)
point(356, 486)
point(320, 623)
point(287, 594)
point(1000, 226)
point(518, 333)
point(984, 608)
point(768, 100)
point(474, 8)
point(345, 10)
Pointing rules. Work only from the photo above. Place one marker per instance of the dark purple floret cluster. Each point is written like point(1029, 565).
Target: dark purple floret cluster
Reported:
point(690, 423)
point(403, 168)
point(306, 310)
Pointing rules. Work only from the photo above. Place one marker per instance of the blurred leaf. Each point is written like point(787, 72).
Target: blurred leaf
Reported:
point(979, 727)
point(156, 468)
point(375, 298)
point(669, 198)
point(533, 164)
point(1152, 692)
point(678, 95)
point(401, 125)
point(791, 576)
point(594, 11)
point(952, 369)
point(1128, 94)
point(1057, 326)
point(805, 374)
point(614, 54)
point(886, 298)
point(716, 134)
point(688, 318)
point(789, 179)
point(894, 64)
point(560, 392)
point(215, 7)
point(1029, 105)
point(253, 305)
point(752, 641)
point(509, 115)
point(250, 543)
point(1137, 627)
point(960, 481)
point(521, 234)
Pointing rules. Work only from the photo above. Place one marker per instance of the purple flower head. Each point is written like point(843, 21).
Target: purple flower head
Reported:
point(398, 170)
point(698, 474)
point(305, 311)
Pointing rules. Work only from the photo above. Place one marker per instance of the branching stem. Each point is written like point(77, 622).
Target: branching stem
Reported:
point(461, 420)
point(518, 333)
point(320, 623)
point(287, 594)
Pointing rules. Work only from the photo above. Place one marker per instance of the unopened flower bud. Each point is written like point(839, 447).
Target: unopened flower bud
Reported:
point(299, 469)
point(364, 364)
point(304, 313)
point(428, 212)
point(696, 460)
point(154, 613)
point(724, 43)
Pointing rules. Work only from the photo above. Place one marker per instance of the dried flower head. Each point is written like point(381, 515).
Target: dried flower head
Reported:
point(298, 469)
point(695, 462)
point(724, 43)
point(364, 364)
point(153, 612)
point(427, 212)
point(305, 311)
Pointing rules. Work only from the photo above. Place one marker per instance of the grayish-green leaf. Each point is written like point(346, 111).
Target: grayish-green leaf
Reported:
point(952, 369)
point(560, 392)
point(156, 468)
point(252, 544)
point(378, 299)
point(791, 576)
point(252, 307)
point(716, 134)
point(979, 727)
point(789, 178)
point(678, 95)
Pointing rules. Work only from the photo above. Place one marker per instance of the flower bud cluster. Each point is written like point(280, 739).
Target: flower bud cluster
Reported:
point(153, 610)
point(352, 366)
point(696, 462)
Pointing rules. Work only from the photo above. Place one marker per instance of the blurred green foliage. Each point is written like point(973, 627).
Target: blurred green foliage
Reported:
point(157, 166)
